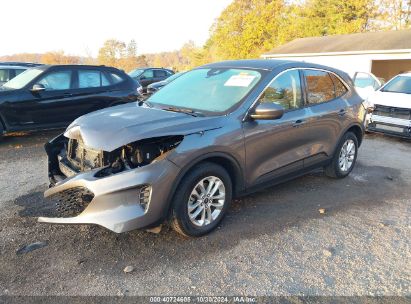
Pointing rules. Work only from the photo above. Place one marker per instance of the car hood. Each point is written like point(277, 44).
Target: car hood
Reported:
point(157, 84)
point(111, 128)
point(398, 100)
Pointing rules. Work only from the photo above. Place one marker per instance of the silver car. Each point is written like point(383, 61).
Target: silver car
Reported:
point(217, 132)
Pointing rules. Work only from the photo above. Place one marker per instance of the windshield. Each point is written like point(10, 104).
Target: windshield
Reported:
point(399, 84)
point(136, 73)
point(172, 77)
point(208, 90)
point(23, 79)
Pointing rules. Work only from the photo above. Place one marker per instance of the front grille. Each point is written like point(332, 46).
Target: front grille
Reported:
point(392, 112)
point(70, 202)
point(82, 158)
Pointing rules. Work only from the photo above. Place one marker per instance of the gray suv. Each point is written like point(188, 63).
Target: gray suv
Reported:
point(217, 132)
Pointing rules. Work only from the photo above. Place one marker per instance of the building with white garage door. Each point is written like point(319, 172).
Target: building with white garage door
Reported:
point(385, 54)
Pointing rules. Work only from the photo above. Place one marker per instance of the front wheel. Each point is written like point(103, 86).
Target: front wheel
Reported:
point(344, 158)
point(1, 131)
point(201, 201)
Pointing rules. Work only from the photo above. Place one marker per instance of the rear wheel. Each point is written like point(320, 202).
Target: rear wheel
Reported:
point(201, 200)
point(344, 158)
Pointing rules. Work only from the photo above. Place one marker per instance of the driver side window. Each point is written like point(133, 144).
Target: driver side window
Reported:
point(285, 91)
point(59, 80)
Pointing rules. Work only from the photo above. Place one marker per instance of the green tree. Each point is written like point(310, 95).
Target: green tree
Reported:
point(111, 53)
point(246, 28)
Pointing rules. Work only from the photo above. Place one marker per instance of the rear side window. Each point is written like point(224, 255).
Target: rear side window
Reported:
point(160, 73)
point(116, 78)
point(339, 87)
point(92, 79)
point(59, 80)
point(18, 71)
point(4, 75)
point(320, 87)
point(285, 90)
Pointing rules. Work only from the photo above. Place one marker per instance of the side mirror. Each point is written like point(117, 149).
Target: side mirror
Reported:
point(142, 77)
point(267, 111)
point(38, 88)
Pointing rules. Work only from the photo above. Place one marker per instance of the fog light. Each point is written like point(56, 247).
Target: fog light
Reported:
point(145, 196)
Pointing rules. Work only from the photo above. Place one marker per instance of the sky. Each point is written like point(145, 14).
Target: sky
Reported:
point(80, 27)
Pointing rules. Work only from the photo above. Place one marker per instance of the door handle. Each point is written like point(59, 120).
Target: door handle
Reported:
point(67, 94)
point(298, 123)
point(342, 112)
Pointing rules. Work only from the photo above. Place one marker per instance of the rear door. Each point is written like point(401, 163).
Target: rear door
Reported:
point(92, 91)
point(160, 75)
point(327, 110)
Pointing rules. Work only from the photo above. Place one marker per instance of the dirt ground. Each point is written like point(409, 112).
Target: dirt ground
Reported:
point(274, 242)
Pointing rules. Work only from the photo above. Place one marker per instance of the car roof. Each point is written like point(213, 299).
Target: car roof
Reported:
point(84, 66)
point(20, 64)
point(153, 68)
point(16, 67)
point(408, 74)
point(264, 64)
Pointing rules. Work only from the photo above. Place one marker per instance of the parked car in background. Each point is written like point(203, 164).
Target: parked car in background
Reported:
point(391, 107)
point(9, 70)
point(154, 87)
point(148, 76)
point(52, 96)
point(217, 132)
point(366, 84)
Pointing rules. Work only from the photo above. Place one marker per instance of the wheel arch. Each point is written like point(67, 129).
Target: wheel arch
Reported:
point(357, 130)
point(228, 162)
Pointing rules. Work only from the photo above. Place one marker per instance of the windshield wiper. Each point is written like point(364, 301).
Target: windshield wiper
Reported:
point(180, 110)
point(144, 101)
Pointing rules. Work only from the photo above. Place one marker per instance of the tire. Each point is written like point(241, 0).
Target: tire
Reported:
point(188, 195)
point(343, 163)
point(1, 131)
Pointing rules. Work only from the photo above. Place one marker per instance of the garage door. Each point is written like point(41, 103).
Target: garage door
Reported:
point(389, 68)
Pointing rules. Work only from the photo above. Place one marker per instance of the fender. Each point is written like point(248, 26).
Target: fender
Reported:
point(345, 131)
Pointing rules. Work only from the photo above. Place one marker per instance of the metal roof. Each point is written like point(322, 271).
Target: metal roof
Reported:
point(351, 43)
point(247, 63)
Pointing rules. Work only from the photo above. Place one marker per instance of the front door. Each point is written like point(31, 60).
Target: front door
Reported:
point(277, 147)
point(42, 109)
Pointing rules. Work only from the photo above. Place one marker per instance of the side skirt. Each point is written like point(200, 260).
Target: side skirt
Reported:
point(283, 178)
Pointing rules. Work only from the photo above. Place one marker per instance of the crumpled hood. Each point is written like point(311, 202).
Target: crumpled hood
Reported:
point(398, 100)
point(111, 128)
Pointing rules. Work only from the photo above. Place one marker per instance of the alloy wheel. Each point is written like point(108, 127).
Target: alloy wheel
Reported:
point(347, 155)
point(206, 201)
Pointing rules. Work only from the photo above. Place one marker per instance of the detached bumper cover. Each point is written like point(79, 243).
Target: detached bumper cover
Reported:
point(114, 202)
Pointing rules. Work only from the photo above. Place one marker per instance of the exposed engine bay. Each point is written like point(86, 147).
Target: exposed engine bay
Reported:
point(72, 156)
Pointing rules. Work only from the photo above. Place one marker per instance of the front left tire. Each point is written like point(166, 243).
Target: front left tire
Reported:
point(201, 200)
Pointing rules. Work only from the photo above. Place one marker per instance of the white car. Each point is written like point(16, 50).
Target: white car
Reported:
point(390, 104)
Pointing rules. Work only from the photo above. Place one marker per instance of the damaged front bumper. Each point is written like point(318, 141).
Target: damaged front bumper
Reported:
point(389, 125)
point(131, 199)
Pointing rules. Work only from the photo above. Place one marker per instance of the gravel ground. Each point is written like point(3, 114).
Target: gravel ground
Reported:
point(274, 242)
